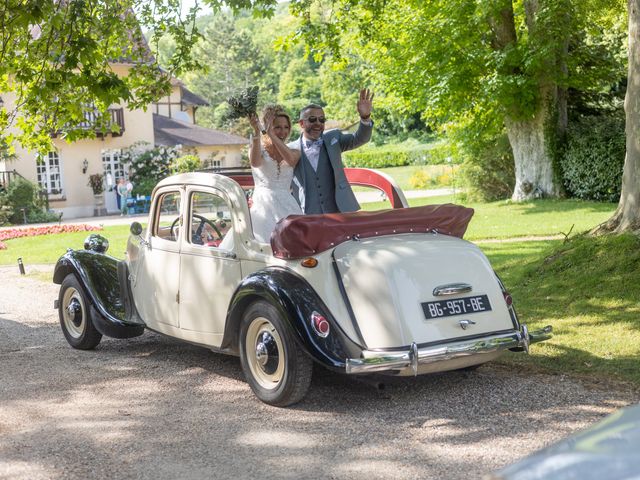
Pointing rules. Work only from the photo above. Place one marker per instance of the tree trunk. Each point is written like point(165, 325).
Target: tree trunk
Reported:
point(533, 164)
point(627, 216)
point(529, 138)
point(533, 161)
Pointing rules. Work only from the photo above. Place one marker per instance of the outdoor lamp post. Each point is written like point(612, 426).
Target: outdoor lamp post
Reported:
point(85, 165)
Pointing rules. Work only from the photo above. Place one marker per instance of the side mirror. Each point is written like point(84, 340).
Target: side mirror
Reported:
point(136, 228)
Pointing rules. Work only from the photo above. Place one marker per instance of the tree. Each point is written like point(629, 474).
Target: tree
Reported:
point(232, 62)
point(56, 60)
point(627, 215)
point(299, 85)
point(464, 62)
point(456, 60)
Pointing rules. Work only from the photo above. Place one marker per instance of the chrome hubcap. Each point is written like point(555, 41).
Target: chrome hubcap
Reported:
point(75, 312)
point(262, 355)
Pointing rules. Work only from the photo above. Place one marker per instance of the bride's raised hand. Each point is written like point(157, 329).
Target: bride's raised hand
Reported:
point(255, 123)
point(268, 121)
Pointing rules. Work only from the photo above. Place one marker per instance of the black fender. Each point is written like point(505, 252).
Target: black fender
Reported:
point(295, 300)
point(98, 276)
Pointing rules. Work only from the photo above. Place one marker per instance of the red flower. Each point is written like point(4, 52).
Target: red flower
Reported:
point(9, 233)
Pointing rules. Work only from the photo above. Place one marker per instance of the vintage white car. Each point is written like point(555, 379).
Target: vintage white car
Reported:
point(395, 291)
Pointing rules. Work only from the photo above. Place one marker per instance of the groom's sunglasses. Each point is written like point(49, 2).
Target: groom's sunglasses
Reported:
point(316, 119)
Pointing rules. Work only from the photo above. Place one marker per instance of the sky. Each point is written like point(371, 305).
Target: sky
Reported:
point(204, 9)
point(187, 4)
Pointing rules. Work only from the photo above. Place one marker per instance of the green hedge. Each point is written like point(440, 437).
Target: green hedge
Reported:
point(594, 158)
point(399, 155)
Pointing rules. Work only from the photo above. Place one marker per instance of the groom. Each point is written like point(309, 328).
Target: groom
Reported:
point(319, 182)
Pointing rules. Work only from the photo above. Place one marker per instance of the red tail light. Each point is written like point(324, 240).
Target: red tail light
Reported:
point(320, 325)
point(507, 298)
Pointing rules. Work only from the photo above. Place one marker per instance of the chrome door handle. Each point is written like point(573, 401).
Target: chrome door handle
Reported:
point(451, 289)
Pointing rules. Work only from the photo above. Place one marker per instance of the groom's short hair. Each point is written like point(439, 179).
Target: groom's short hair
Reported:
point(311, 106)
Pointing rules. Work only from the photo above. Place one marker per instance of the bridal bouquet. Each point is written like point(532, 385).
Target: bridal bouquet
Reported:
point(244, 104)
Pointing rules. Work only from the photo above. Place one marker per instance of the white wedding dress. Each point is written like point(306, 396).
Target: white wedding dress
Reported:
point(272, 199)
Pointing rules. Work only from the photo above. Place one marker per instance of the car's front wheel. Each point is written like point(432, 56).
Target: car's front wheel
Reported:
point(277, 370)
point(73, 310)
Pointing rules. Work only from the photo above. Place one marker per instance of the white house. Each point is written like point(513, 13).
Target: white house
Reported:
point(65, 172)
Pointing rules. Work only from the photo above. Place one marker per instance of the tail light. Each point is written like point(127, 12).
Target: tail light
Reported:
point(507, 298)
point(320, 325)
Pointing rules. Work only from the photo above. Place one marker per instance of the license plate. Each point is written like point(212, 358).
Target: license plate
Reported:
point(456, 306)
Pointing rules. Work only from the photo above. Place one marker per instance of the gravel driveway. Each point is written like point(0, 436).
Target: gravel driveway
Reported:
point(153, 408)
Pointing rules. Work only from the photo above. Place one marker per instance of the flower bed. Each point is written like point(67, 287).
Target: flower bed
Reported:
point(10, 233)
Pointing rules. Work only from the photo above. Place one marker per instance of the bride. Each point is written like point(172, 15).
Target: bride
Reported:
point(272, 164)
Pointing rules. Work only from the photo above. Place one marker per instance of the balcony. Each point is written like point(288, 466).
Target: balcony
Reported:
point(91, 119)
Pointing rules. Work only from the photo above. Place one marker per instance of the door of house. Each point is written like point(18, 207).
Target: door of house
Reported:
point(113, 171)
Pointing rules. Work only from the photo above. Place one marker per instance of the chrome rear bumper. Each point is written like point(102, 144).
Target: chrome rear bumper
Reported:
point(373, 361)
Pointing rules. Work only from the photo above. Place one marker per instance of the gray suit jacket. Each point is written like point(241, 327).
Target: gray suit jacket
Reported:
point(335, 143)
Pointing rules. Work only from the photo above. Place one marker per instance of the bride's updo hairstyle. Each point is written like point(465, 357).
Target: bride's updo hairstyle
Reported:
point(276, 111)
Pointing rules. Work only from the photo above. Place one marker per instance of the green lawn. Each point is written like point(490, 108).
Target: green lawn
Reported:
point(588, 289)
point(47, 249)
point(505, 219)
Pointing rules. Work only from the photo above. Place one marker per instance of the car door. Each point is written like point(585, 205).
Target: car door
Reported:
point(209, 268)
point(156, 284)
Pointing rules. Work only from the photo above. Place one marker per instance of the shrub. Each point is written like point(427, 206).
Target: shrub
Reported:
point(398, 155)
point(488, 171)
point(444, 180)
point(442, 176)
point(594, 158)
point(185, 163)
point(376, 158)
point(42, 216)
point(147, 166)
point(419, 180)
point(6, 211)
point(21, 202)
point(21, 199)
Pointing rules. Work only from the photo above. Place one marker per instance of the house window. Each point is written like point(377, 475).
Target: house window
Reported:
point(216, 164)
point(49, 174)
point(113, 168)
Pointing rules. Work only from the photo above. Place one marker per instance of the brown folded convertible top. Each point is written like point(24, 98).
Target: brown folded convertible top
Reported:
point(303, 235)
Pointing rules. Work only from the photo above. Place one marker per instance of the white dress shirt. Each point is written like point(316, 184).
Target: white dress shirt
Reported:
point(312, 151)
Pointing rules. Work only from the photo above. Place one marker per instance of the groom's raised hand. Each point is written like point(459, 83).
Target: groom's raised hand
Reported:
point(365, 103)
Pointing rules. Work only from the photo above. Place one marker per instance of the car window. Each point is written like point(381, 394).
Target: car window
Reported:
point(210, 220)
point(168, 216)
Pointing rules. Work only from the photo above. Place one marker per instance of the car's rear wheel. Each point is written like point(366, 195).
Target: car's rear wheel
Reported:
point(73, 310)
point(277, 370)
